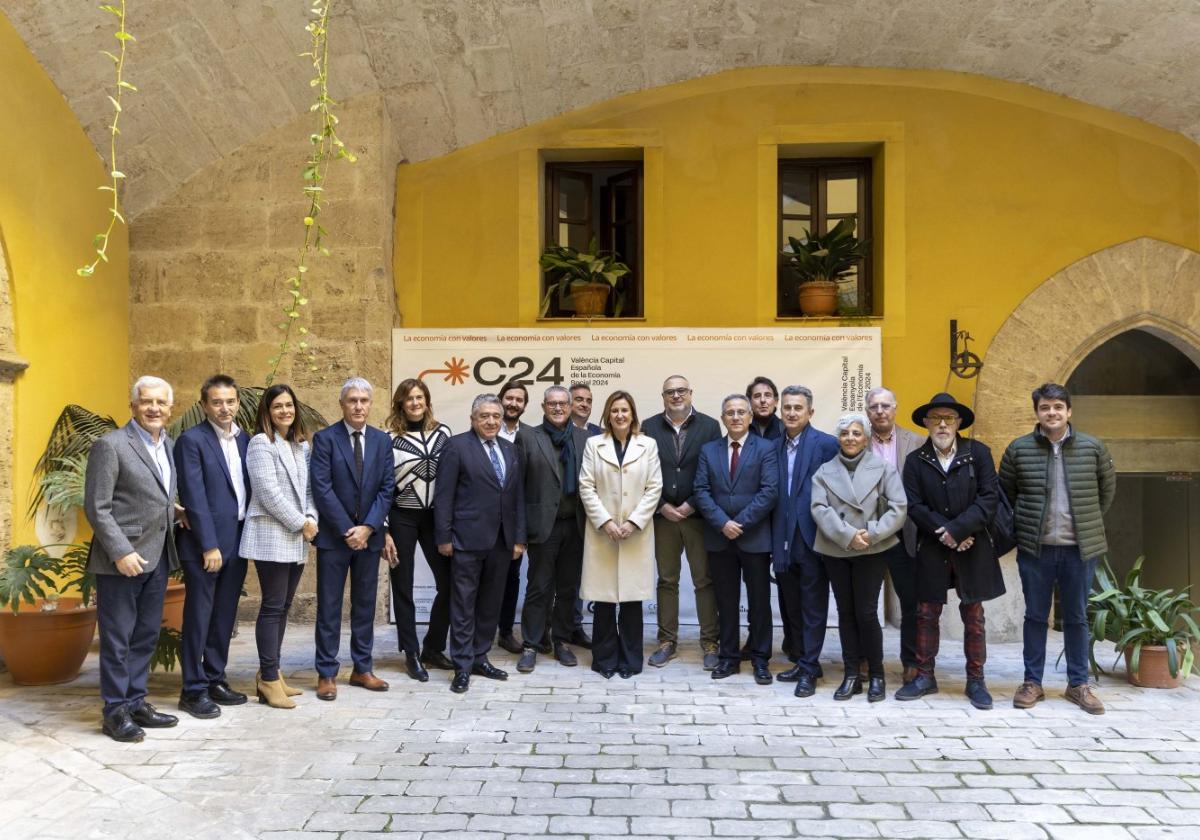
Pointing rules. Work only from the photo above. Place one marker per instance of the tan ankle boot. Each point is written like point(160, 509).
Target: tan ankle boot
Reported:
point(272, 693)
point(287, 689)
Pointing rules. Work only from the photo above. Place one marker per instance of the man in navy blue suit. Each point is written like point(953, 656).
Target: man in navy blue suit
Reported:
point(800, 571)
point(352, 483)
point(479, 522)
point(737, 482)
point(214, 489)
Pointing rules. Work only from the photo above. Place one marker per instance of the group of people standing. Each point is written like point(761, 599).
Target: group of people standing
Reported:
point(605, 515)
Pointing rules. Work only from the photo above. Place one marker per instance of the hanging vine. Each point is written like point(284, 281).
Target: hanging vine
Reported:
point(326, 148)
point(100, 240)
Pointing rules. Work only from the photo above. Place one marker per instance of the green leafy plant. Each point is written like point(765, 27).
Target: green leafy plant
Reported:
point(827, 256)
point(166, 652)
point(27, 575)
point(566, 266)
point(101, 240)
point(62, 487)
point(72, 436)
point(1133, 616)
point(75, 573)
point(326, 147)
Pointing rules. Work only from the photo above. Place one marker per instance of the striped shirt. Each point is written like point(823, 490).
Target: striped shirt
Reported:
point(415, 458)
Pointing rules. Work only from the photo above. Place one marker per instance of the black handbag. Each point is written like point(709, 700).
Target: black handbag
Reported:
point(1002, 528)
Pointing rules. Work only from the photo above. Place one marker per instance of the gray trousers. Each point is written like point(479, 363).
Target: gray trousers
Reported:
point(670, 541)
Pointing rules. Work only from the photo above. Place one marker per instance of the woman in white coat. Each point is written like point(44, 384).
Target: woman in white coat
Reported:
point(619, 487)
point(280, 522)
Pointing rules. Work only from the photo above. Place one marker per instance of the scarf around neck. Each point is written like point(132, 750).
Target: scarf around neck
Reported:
point(564, 441)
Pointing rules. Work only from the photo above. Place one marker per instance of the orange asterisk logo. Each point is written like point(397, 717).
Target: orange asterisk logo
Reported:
point(456, 371)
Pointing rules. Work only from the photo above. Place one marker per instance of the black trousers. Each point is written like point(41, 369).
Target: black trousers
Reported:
point(209, 616)
point(278, 582)
point(903, 571)
point(129, 615)
point(410, 528)
point(789, 644)
point(856, 583)
point(508, 601)
point(804, 608)
point(475, 602)
point(617, 636)
point(728, 568)
point(333, 567)
point(552, 585)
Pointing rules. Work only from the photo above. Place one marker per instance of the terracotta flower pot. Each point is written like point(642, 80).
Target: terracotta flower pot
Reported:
point(173, 605)
point(44, 648)
point(589, 299)
point(1153, 671)
point(818, 297)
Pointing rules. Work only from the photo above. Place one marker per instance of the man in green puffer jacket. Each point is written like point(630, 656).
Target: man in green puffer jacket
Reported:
point(1060, 483)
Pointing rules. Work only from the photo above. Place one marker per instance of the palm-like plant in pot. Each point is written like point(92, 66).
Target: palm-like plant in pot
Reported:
point(820, 260)
point(588, 276)
point(1155, 629)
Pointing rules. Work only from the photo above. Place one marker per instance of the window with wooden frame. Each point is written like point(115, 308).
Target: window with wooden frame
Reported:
point(814, 195)
point(599, 200)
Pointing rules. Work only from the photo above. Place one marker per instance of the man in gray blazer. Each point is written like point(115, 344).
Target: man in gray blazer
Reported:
point(129, 499)
point(894, 444)
point(552, 456)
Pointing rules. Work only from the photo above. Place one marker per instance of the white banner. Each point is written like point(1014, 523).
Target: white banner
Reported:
point(838, 365)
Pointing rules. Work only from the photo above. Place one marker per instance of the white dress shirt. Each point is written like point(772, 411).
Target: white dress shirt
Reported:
point(350, 430)
point(157, 452)
point(233, 460)
point(495, 447)
point(729, 442)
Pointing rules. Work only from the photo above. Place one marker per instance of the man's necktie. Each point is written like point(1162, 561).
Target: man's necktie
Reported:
point(491, 448)
point(358, 454)
point(733, 461)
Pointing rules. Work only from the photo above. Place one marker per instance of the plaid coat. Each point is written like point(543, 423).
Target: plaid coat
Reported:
point(280, 500)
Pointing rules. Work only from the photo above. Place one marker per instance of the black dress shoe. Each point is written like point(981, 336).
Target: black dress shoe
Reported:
point(876, 690)
point(849, 687)
point(725, 669)
point(579, 638)
point(791, 674)
point(414, 668)
point(625, 673)
point(607, 673)
point(437, 659)
point(762, 674)
point(565, 655)
point(508, 642)
point(487, 669)
point(461, 682)
point(917, 687)
point(119, 726)
point(149, 717)
point(220, 692)
point(199, 705)
point(806, 686)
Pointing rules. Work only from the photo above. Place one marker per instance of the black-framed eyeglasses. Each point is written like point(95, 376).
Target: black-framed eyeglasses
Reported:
point(676, 392)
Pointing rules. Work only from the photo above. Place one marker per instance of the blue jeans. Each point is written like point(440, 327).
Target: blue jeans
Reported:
point(1056, 564)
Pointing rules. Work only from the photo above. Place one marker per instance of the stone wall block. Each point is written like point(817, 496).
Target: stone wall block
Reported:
point(145, 281)
point(235, 226)
point(165, 228)
point(163, 324)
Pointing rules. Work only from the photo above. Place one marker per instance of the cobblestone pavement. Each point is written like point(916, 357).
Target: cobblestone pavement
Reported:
point(669, 753)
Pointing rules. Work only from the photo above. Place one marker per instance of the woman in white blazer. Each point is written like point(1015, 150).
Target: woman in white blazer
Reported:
point(619, 487)
point(280, 522)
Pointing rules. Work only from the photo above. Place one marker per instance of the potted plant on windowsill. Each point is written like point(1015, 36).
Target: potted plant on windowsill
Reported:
point(820, 260)
point(588, 276)
point(1155, 629)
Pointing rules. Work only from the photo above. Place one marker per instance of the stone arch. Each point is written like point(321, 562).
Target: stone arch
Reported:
point(1140, 284)
point(10, 365)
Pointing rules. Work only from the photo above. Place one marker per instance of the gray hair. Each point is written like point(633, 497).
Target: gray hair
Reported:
point(553, 388)
point(850, 418)
point(482, 400)
point(135, 393)
point(356, 383)
point(874, 392)
point(730, 398)
point(797, 391)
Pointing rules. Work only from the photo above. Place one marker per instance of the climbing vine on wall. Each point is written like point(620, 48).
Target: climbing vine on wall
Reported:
point(325, 148)
point(101, 240)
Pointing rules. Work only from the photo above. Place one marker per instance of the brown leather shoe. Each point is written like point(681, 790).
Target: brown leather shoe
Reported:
point(368, 681)
point(1082, 696)
point(327, 688)
point(1028, 695)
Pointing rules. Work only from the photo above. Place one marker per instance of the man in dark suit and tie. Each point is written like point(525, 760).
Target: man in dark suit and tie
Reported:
point(214, 489)
point(352, 483)
point(737, 482)
point(479, 521)
point(129, 499)
point(800, 571)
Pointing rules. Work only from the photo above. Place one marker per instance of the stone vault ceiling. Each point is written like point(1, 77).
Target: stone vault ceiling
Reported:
point(215, 74)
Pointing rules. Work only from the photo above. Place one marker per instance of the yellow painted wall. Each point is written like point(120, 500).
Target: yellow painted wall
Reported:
point(991, 188)
point(74, 332)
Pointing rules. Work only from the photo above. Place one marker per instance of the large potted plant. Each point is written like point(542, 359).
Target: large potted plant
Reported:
point(588, 276)
point(820, 260)
point(1155, 629)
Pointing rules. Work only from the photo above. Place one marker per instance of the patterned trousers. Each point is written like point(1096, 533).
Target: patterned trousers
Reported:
point(929, 639)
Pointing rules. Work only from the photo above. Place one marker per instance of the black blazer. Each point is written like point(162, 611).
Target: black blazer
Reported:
point(679, 474)
point(470, 508)
point(542, 468)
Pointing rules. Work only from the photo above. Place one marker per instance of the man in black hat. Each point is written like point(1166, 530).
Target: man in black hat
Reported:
point(952, 496)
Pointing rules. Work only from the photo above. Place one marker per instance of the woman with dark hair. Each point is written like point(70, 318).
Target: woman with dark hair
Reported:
point(280, 520)
point(619, 486)
point(417, 441)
